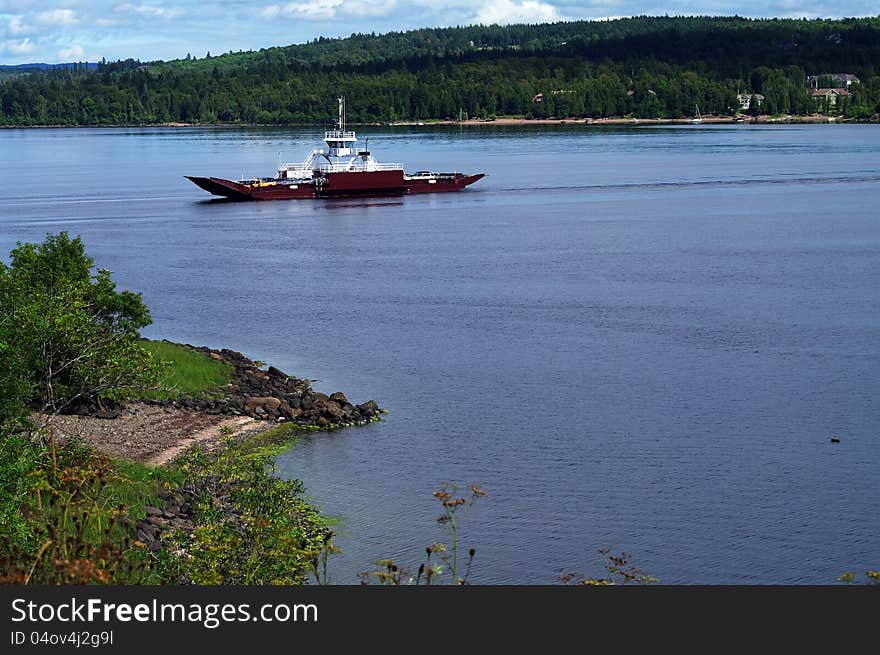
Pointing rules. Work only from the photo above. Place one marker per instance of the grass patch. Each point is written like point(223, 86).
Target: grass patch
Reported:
point(186, 372)
point(137, 485)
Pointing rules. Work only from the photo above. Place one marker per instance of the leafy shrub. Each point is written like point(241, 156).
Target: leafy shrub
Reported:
point(67, 335)
point(251, 527)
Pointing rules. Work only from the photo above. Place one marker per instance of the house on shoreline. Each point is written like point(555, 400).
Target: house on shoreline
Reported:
point(828, 89)
point(830, 96)
point(745, 100)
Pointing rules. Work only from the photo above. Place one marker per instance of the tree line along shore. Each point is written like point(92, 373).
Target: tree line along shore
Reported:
point(642, 68)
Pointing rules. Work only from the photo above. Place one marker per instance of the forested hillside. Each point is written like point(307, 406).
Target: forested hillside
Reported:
point(645, 67)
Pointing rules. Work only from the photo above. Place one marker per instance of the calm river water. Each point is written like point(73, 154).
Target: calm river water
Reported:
point(639, 339)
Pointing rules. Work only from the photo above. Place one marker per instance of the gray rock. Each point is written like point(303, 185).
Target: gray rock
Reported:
point(275, 373)
point(266, 402)
point(333, 411)
point(370, 407)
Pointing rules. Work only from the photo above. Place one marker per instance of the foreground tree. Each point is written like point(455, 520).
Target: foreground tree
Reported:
point(66, 335)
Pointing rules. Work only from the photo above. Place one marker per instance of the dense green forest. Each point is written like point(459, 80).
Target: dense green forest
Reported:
point(645, 67)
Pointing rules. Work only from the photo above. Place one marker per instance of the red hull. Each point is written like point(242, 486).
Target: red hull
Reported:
point(445, 182)
point(358, 182)
point(337, 184)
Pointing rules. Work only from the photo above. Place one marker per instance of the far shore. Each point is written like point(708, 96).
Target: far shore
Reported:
point(739, 119)
point(624, 120)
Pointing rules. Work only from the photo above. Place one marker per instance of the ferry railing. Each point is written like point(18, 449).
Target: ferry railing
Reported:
point(298, 170)
point(343, 168)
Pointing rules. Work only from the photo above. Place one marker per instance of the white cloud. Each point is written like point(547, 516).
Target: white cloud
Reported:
point(15, 26)
point(505, 12)
point(370, 7)
point(57, 17)
point(73, 52)
point(157, 11)
point(315, 10)
point(318, 10)
point(23, 47)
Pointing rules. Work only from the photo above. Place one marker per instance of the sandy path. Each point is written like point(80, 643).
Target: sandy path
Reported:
point(233, 426)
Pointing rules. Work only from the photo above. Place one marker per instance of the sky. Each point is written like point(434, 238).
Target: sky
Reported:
point(53, 31)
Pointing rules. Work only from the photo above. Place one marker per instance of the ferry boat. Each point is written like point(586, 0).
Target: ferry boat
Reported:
point(340, 170)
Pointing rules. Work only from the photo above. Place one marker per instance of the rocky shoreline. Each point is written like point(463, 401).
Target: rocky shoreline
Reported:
point(178, 513)
point(269, 395)
point(273, 395)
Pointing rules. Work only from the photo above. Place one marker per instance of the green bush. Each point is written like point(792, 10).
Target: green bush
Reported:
point(67, 335)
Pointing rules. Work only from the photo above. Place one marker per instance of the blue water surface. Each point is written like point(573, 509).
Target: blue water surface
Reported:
point(639, 339)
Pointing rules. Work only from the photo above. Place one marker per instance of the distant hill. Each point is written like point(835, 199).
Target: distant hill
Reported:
point(10, 71)
point(23, 68)
point(643, 67)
